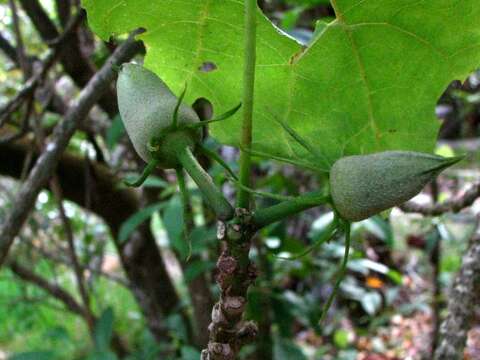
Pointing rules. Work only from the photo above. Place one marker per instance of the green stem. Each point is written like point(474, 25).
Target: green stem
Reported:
point(209, 190)
point(187, 213)
point(243, 200)
point(267, 216)
point(343, 270)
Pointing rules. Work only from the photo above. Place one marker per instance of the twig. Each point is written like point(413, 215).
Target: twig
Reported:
point(54, 290)
point(85, 267)
point(462, 299)
point(77, 269)
point(46, 163)
point(454, 206)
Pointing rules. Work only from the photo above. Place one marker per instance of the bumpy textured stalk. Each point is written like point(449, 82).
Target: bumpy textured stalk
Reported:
point(228, 331)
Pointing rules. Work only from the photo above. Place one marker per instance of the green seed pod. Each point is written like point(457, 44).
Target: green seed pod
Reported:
point(164, 132)
point(147, 106)
point(365, 185)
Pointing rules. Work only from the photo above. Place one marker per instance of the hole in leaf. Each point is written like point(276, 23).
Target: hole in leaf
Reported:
point(208, 66)
point(204, 110)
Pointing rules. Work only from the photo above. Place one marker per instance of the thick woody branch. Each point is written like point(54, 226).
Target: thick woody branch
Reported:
point(455, 205)
point(461, 304)
point(47, 162)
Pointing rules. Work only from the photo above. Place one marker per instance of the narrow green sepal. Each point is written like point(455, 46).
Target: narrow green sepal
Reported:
point(221, 117)
point(146, 172)
point(213, 155)
point(298, 138)
point(299, 163)
point(177, 108)
point(261, 193)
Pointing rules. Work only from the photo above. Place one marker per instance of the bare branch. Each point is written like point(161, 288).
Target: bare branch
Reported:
point(47, 162)
point(454, 206)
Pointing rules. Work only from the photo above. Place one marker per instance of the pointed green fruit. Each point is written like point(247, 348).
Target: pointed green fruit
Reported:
point(156, 122)
point(147, 107)
point(364, 185)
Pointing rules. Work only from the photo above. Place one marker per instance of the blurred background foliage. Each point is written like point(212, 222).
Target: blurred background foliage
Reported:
point(387, 306)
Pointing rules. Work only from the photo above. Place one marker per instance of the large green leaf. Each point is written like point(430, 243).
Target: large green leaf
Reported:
point(368, 82)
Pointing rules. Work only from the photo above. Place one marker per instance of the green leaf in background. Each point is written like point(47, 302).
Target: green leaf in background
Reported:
point(136, 219)
point(102, 355)
point(190, 353)
point(286, 349)
point(173, 222)
point(349, 92)
point(104, 330)
point(33, 355)
point(196, 268)
point(115, 132)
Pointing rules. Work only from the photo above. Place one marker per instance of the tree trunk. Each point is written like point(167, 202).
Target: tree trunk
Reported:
point(462, 298)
